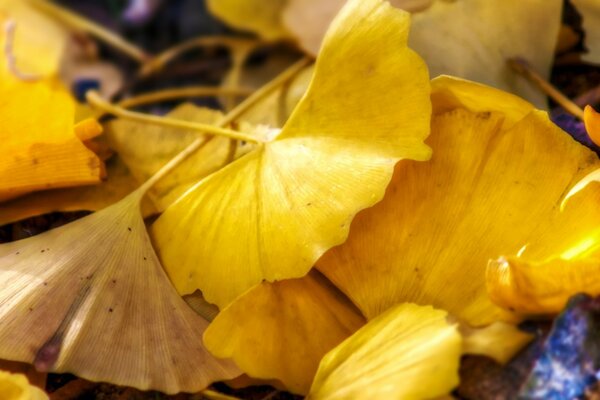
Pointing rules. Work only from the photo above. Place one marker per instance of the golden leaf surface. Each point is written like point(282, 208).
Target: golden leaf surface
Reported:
point(409, 352)
point(281, 330)
point(91, 298)
point(486, 192)
point(40, 149)
point(17, 387)
point(273, 212)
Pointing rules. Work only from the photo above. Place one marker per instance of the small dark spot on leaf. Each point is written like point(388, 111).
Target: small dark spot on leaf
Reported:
point(30, 308)
point(129, 229)
point(18, 252)
point(309, 204)
point(114, 281)
point(42, 251)
point(145, 258)
point(35, 161)
point(45, 283)
point(110, 310)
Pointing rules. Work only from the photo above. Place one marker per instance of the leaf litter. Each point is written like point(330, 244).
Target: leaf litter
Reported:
point(365, 322)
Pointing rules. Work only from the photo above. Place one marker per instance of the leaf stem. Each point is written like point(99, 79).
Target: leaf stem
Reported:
point(96, 101)
point(80, 23)
point(178, 93)
point(523, 67)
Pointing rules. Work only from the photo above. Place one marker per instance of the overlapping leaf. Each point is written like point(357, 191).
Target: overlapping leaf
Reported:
point(409, 352)
point(91, 298)
point(273, 212)
point(40, 149)
point(147, 148)
point(590, 12)
point(487, 191)
point(16, 387)
point(281, 330)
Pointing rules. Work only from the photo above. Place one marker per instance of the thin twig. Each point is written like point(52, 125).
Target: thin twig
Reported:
point(523, 67)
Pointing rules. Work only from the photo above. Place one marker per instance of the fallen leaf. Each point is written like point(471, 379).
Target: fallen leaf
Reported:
point(409, 352)
point(590, 12)
point(281, 330)
point(472, 39)
point(263, 18)
point(334, 157)
point(499, 341)
point(40, 149)
point(117, 185)
point(308, 20)
point(16, 387)
point(94, 301)
point(33, 31)
point(542, 285)
point(487, 191)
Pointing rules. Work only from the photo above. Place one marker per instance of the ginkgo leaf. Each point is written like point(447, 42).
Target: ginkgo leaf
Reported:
point(92, 299)
point(486, 192)
point(33, 31)
point(281, 330)
point(273, 212)
point(530, 287)
point(308, 20)
point(592, 123)
point(40, 149)
point(409, 352)
point(117, 185)
point(17, 387)
point(500, 341)
point(449, 93)
point(472, 39)
point(590, 12)
point(145, 148)
point(261, 17)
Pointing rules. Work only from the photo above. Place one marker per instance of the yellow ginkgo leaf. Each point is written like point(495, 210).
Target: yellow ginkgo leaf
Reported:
point(273, 212)
point(145, 148)
point(486, 192)
point(592, 123)
point(17, 387)
point(590, 13)
point(449, 93)
point(473, 39)
point(40, 149)
point(117, 185)
point(261, 17)
point(541, 288)
point(308, 20)
point(37, 42)
point(282, 330)
point(500, 341)
point(92, 299)
point(409, 352)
